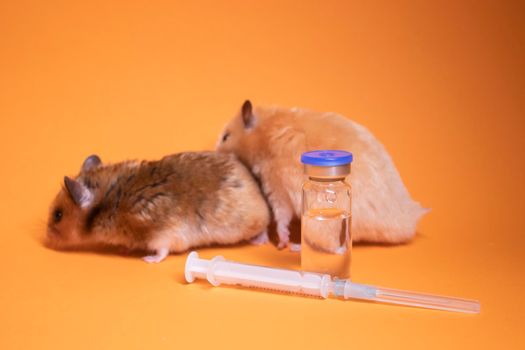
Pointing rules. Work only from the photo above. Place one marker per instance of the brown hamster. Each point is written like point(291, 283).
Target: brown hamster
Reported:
point(179, 202)
point(270, 141)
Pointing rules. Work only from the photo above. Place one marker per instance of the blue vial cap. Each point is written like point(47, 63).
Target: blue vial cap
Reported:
point(327, 158)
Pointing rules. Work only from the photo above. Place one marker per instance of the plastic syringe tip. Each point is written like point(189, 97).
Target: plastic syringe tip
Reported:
point(408, 298)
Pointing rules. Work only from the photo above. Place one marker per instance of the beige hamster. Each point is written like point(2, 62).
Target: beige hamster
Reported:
point(270, 141)
point(179, 202)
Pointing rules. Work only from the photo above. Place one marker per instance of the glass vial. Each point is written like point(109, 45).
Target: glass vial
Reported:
point(326, 239)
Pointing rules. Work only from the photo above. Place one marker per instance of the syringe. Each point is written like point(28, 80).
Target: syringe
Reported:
point(220, 271)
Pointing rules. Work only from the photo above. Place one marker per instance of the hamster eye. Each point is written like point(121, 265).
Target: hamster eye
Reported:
point(225, 136)
point(57, 215)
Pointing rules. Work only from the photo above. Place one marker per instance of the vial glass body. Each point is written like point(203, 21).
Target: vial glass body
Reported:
point(326, 239)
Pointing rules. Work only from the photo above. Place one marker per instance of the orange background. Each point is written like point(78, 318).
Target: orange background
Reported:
point(441, 84)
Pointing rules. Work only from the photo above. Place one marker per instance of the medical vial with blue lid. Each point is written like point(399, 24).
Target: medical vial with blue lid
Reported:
point(326, 238)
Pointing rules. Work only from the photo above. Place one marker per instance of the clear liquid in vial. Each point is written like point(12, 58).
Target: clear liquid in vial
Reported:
point(326, 246)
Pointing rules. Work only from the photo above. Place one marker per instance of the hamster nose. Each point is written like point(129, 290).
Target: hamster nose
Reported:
point(53, 232)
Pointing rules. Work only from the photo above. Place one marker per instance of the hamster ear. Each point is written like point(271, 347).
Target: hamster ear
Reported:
point(247, 114)
point(80, 194)
point(91, 162)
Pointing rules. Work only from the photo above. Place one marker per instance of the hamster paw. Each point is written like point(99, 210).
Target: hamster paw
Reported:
point(162, 253)
point(260, 239)
point(283, 243)
point(284, 235)
point(295, 247)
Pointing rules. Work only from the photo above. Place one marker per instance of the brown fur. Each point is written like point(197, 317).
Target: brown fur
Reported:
point(270, 141)
point(183, 200)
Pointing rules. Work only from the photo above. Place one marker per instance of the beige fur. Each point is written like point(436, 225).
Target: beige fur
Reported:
point(270, 142)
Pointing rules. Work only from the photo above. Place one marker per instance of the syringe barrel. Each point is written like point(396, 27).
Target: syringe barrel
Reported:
point(220, 271)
